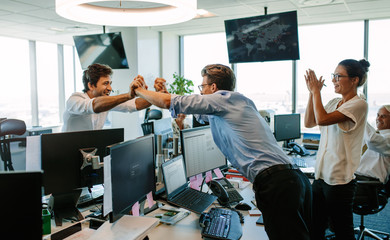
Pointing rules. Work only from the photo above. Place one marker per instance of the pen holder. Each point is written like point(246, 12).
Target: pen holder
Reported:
point(46, 222)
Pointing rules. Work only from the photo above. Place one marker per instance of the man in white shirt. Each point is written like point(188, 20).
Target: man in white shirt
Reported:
point(88, 110)
point(375, 162)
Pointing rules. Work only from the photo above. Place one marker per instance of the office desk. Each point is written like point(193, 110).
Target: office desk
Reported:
point(188, 228)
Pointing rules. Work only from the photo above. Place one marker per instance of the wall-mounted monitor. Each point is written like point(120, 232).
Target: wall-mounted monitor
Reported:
point(104, 48)
point(263, 38)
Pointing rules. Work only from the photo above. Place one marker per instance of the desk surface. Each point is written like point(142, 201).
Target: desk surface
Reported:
point(187, 228)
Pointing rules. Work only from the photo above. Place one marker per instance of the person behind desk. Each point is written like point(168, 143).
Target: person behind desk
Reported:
point(342, 123)
point(89, 110)
point(282, 191)
point(375, 162)
point(179, 124)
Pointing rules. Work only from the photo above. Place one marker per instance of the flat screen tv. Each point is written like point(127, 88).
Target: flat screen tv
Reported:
point(104, 48)
point(271, 37)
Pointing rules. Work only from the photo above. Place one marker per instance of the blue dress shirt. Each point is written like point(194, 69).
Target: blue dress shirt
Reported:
point(238, 129)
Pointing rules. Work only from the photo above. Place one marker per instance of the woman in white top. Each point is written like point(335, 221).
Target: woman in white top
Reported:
point(342, 122)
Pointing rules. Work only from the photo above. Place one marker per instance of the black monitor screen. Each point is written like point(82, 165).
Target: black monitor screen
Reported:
point(104, 48)
point(269, 37)
point(132, 174)
point(199, 151)
point(287, 127)
point(62, 159)
point(21, 201)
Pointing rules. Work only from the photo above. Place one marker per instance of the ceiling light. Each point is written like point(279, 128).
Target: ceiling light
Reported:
point(315, 2)
point(127, 12)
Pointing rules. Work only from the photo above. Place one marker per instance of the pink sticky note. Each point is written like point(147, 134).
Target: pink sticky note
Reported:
point(135, 209)
point(218, 172)
point(194, 183)
point(209, 176)
point(149, 197)
point(199, 178)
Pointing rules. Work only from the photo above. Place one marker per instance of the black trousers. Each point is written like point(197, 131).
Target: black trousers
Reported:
point(333, 204)
point(284, 198)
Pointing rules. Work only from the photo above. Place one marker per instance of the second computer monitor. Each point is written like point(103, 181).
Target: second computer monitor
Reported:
point(287, 127)
point(199, 151)
point(132, 174)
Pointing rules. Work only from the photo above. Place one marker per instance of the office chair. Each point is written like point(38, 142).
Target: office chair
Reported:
point(9, 127)
point(150, 114)
point(370, 198)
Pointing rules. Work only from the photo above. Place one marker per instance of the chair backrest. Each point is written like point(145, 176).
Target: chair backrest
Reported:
point(147, 128)
point(369, 197)
point(12, 126)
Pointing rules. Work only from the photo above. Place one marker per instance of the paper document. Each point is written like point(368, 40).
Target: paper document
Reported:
point(107, 196)
point(33, 153)
point(126, 228)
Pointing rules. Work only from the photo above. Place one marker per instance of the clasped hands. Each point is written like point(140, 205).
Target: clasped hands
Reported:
point(313, 84)
point(139, 83)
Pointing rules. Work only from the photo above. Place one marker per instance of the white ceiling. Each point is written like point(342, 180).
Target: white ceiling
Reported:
point(37, 19)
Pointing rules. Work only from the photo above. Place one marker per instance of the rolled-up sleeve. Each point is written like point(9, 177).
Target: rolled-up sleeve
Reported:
point(78, 105)
point(198, 104)
point(376, 141)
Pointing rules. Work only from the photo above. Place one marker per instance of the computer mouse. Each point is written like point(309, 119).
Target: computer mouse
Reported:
point(243, 206)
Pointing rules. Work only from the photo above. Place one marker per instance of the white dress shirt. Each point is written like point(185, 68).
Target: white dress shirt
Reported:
point(79, 114)
point(340, 147)
point(375, 161)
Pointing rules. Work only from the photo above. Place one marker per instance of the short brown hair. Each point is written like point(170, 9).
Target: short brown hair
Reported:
point(221, 75)
point(93, 73)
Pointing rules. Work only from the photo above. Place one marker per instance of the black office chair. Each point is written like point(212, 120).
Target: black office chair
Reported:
point(9, 127)
point(150, 114)
point(370, 198)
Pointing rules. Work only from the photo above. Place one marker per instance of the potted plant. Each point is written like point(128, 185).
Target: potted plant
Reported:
point(180, 85)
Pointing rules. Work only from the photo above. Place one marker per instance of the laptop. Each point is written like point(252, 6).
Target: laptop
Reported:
point(177, 189)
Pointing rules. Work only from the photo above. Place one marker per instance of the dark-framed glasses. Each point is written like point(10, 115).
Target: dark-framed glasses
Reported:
point(337, 76)
point(202, 86)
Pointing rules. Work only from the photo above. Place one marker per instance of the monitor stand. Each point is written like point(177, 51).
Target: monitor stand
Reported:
point(63, 205)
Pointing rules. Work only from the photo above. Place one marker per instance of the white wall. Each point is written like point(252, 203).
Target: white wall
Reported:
point(151, 54)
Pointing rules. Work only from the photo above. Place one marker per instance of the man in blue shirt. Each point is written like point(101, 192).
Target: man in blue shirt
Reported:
point(282, 191)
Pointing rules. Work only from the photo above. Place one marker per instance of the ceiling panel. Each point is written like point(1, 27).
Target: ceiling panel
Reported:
point(37, 19)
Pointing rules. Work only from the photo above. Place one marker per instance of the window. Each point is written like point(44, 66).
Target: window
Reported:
point(47, 80)
point(200, 50)
point(322, 47)
point(378, 83)
point(267, 84)
point(15, 84)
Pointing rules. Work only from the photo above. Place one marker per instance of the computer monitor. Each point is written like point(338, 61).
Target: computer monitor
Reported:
point(61, 162)
point(132, 174)
point(199, 151)
point(163, 127)
point(21, 201)
point(287, 127)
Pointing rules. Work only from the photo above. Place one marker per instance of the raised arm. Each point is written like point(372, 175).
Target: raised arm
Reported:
point(159, 99)
point(105, 103)
point(321, 117)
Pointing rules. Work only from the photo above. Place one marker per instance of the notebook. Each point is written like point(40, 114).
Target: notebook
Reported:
point(177, 189)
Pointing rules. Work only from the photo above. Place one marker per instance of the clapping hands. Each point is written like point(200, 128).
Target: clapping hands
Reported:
point(313, 84)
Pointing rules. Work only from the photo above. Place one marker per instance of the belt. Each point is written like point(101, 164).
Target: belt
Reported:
point(273, 169)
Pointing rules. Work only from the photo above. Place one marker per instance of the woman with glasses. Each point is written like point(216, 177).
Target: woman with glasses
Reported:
point(342, 122)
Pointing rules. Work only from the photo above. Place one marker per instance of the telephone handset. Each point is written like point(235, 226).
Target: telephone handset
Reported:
point(298, 149)
point(219, 191)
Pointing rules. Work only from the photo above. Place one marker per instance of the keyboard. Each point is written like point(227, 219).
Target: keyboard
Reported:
point(88, 198)
point(220, 223)
point(300, 162)
point(193, 200)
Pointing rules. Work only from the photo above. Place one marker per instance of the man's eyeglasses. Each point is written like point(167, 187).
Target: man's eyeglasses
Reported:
point(202, 86)
point(337, 76)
